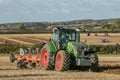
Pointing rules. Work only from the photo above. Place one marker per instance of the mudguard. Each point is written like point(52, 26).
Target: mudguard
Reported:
point(52, 47)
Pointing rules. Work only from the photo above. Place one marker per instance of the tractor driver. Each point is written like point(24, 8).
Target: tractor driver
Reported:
point(65, 39)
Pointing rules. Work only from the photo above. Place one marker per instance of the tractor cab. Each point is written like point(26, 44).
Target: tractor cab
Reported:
point(61, 36)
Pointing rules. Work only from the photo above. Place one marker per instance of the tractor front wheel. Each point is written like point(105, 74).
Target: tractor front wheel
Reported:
point(62, 62)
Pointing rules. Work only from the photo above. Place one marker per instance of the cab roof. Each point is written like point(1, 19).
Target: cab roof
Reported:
point(67, 29)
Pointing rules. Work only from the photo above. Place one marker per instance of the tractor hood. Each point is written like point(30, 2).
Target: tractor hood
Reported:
point(76, 48)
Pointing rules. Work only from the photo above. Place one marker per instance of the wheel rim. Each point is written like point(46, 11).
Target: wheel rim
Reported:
point(44, 58)
point(59, 61)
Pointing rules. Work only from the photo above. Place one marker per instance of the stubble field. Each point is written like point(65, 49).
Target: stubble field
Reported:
point(37, 38)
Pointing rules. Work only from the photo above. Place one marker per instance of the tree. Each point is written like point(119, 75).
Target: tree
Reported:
point(117, 23)
point(21, 26)
point(33, 28)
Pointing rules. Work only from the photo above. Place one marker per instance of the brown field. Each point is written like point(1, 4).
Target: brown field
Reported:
point(37, 38)
point(108, 71)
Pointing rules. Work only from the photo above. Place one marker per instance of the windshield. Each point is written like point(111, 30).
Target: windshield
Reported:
point(71, 36)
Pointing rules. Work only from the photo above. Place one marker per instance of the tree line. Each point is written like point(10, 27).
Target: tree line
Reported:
point(101, 49)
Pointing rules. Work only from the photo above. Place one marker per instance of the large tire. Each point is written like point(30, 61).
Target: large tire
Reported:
point(94, 63)
point(45, 58)
point(62, 62)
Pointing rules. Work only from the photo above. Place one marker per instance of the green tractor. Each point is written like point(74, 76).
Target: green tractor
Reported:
point(65, 50)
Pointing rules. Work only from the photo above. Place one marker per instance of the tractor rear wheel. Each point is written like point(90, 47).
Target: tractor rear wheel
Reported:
point(94, 63)
point(45, 58)
point(62, 62)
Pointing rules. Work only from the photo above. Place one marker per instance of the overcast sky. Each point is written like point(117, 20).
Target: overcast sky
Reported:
point(57, 10)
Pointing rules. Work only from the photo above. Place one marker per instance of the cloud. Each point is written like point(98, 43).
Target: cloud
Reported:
point(57, 10)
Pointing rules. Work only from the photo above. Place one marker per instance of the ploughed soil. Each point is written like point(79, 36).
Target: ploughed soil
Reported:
point(109, 69)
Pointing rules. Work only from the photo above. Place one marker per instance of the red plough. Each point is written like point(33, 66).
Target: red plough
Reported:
point(24, 60)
